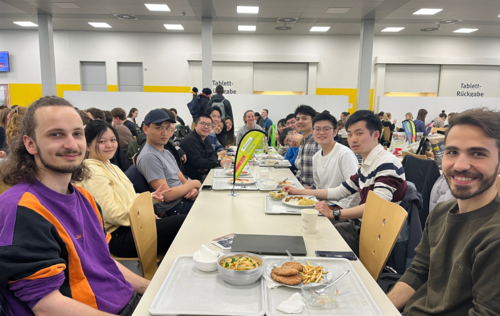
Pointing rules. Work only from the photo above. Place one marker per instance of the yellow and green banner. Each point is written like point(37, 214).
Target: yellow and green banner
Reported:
point(250, 141)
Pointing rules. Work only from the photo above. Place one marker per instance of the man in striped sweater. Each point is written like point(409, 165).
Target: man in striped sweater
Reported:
point(380, 172)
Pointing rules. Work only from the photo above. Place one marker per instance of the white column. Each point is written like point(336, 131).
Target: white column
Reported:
point(311, 78)
point(47, 61)
point(379, 86)
point(365, 64)
point(206, 53)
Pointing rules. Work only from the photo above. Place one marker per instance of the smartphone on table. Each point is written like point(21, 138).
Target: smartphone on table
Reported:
point(349, 255)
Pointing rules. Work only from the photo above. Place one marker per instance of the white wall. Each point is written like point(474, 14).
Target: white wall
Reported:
point(279, 106)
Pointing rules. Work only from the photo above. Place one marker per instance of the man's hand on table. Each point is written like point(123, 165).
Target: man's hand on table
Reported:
point(191, 195)
point(324, 209)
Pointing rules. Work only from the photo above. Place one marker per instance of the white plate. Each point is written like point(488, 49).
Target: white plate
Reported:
point(299, 206)
point(326, 277)
point(245, 181)
point(243, 173)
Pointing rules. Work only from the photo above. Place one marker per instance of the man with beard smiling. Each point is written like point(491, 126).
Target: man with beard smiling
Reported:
point(54, 255)
point(455, 271)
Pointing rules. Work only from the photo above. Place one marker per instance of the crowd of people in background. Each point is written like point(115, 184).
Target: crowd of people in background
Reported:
point(97, 162)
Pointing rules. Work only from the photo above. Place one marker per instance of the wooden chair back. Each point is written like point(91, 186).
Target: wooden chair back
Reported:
point(134, 158)
point(435, 129)
point(143, 225)
point(414, 155)
point(387, 134)
point(382, 224)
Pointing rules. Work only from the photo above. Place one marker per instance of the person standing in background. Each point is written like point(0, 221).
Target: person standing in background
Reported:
point(204, 98)
point(439, 121)
point(223, 103)
point(266, 121)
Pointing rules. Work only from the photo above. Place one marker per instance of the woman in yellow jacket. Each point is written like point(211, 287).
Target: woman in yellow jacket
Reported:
point(115, 193)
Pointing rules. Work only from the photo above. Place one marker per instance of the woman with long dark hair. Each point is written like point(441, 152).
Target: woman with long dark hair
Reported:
point(132, 115)
point(420, 122)
point(220, 132)
point(230, 137)
point(115, 193)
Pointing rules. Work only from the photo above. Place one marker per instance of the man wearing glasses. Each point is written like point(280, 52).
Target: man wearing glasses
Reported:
point(201, 155)
point(159, 167)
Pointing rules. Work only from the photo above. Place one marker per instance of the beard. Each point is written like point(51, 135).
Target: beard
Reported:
point(61, 169)
point(465, 192)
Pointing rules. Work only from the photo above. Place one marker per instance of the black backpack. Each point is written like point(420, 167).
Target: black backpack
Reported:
point(194, 106)
point(181, 131)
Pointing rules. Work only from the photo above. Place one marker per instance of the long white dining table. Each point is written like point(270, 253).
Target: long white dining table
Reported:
point(216, 214)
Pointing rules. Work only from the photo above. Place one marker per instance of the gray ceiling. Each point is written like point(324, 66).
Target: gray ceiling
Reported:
point(481, 14)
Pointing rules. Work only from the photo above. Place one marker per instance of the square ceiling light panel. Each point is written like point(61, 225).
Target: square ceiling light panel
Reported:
point(26, 24)
point(465, 30)
point(157, 7)
point(176, 27)
point(67, 5)
point(427, 11)
point(100, 25)
point(247, 10)
point(393, 29)
point(337, 10)
point(319, 29)
point(247, 28)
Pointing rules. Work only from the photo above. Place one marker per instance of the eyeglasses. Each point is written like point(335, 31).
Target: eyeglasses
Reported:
point(325, 129)
point(206, 124)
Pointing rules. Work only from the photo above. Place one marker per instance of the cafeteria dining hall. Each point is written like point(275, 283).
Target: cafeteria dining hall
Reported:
point(249, 157)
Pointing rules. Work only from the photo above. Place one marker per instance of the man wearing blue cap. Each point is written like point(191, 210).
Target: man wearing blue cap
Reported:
point(159, 167)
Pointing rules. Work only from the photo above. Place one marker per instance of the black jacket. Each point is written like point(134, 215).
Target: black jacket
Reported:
point(203, 99)
point(228, 110)
point(131, 127)
point(201, 156)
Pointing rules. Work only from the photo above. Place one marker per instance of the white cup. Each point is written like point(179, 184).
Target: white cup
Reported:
point(264, 174)
point(309, 219)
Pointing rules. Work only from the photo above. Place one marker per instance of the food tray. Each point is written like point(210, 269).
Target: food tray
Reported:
point(220, 173)
point(262, 163)
point(189, 291)
point(353, 297)
point(223, 184)
point(283, 209)
point(295, 183)
point(260, 156)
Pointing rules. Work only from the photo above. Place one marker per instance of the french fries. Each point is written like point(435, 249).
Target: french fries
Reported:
point(312, 273)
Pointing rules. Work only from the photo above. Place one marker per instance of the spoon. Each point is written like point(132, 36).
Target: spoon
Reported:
point(290, 255)
point(322, 290)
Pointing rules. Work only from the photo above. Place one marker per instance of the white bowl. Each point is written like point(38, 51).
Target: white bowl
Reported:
point(206, 266)
point(269, 185)
point(245, 277)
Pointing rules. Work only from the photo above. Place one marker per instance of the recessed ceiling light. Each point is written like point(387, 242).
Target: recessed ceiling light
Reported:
point(427, 11)
point(100, 24)
point(393, 29)
point(26, 24)
point(319, 29)
point(248, 10)
point(173, 26)
point(157, 7)
point(67, 5)
point(247, 28)
point(337, 10)
point(465, 30)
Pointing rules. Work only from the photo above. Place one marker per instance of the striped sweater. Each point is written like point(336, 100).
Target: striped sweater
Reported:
point(381, 172)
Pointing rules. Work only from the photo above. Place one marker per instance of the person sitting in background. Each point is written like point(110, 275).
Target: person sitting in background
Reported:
point(439, 121)
point(333, 164)
point(119, 118)
point(381, 115)
point(85, 117)
point(304, 114)
point(344, 116)
point(249, 119)
point(258, 119)
point(380, 172)
point(177, 117)
point(450, 116)
point(54, 256)
point(216, 114)
point(220, 130)
point(387, 121)
point(455, 271)
point(221, 102)
point(420, 126)
point(440, 193)
point(14, 127)
point(132, 115)
point(266, 121)
point(282, 150)
point(108, 118)
point(293, 152)
point(230, 137)
point(159, 166)
point(201, 155)
point(341, 128)
point(203, 99)
point(95, 114)
point(115, 193)
point(408, 116)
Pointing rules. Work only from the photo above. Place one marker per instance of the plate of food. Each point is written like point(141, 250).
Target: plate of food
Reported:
point(300, 201)
point(227, 157)
point(242, 181)
point(243, 173)
point(296, 273)
point(282, 183)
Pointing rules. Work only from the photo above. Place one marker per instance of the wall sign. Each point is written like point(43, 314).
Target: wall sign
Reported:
point(469, 81)
point(470, 90)
point(228, 86)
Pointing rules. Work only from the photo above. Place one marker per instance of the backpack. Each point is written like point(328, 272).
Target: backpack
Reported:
point(220, 105)
point(181, 131)
point(194, 106)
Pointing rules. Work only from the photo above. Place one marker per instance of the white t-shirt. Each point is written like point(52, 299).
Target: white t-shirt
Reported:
point(331, 170)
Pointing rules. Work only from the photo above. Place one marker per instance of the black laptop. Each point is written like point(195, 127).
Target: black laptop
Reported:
point(269, 244)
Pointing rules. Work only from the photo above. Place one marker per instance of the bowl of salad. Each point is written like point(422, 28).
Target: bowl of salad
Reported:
point(278, 195)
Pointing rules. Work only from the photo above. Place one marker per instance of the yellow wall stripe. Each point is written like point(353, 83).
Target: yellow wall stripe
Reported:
point(171, 89)
point(112, 88)
point(350, 92)
point(66, 87)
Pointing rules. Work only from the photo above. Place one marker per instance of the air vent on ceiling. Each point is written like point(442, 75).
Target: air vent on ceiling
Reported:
point(448, 21)
point(288, 20)
point(125, 16)
point(283, 28)
point(429, 29)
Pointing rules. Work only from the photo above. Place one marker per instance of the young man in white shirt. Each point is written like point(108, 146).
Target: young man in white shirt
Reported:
point(333, 164)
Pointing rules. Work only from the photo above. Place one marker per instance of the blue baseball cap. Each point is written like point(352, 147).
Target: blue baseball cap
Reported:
point(157, 116)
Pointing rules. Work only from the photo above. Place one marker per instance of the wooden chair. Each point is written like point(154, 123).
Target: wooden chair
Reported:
point(143, 225)
point(134, 158)
point(414, 155)
point(387, 134)
point(382, 224)
point(435, 129)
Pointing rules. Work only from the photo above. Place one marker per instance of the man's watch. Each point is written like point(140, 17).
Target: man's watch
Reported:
point(336, 214)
